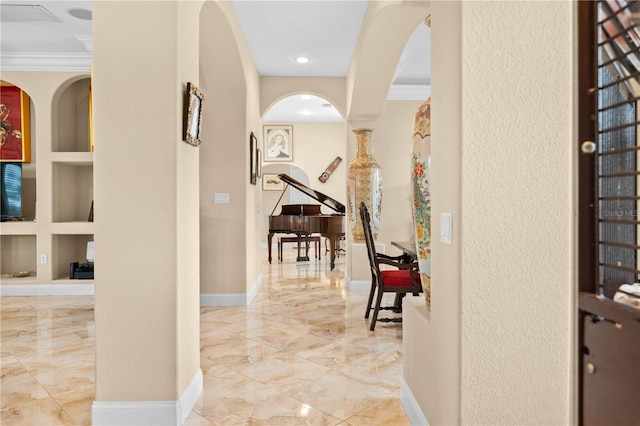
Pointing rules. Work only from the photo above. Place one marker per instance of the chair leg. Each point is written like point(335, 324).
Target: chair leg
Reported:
point(371, 294)
point(376, 309)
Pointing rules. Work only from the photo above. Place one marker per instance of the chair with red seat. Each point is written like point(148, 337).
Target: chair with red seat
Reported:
point(404, 279)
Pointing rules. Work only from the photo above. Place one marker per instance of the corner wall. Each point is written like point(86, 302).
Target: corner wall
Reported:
point(497, 345)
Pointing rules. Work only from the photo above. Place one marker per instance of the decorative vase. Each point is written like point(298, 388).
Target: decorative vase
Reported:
point(364, 183)
point(421, 188)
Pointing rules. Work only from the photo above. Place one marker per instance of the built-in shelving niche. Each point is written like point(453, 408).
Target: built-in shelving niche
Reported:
point(18, 254)
point(67, 249)
point(57, 204)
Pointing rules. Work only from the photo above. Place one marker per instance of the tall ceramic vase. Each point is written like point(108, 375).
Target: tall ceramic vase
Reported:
point(364, 183)
point(420, 182)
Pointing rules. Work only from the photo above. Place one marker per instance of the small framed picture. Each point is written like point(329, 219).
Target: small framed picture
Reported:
point(272, 183)
point(192, 115)
point(278, 143)
point(253, 158)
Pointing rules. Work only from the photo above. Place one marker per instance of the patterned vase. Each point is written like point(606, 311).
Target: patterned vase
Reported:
point(364, 183)
point(420, 182)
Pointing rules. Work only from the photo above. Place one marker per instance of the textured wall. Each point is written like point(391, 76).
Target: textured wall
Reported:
point(502, 103)
point(517, 212)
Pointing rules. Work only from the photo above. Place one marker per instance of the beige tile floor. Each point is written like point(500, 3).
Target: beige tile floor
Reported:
point(301, 353)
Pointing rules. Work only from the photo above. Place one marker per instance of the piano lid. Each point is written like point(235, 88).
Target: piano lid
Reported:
point(327, 201)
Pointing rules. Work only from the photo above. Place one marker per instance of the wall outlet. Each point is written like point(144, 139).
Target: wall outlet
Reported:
point(43, 258)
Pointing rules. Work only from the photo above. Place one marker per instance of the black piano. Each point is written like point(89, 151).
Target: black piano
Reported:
point(306, 219)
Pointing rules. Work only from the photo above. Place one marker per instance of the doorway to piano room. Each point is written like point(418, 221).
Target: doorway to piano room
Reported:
point(318, 137)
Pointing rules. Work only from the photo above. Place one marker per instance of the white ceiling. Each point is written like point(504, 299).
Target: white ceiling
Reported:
point(48, 36)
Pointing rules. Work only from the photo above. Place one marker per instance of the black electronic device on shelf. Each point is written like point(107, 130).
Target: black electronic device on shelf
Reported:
point(81, 271)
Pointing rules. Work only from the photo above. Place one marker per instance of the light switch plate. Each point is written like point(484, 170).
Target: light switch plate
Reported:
point(221, 198)
point(445, 227)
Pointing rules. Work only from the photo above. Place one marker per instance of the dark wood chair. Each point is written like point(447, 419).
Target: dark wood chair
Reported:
point(405, 278)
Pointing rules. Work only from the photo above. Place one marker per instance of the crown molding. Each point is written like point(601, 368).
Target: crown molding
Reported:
point(409, 92)
point(38, 61)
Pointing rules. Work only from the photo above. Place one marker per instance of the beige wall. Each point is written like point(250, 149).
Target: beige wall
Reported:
point(147, 193)
point(496, 347)
point(230, 233)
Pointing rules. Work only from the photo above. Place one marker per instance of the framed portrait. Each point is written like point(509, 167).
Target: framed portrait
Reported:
point(278, 143)
point(253, 158)
point(192, 122)
point(272, 183)
point(16, 126)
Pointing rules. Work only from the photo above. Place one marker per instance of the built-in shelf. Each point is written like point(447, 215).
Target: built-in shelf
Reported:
point(17, 254)
point(72, 192)
point(18, 228)
point(68, 248)
point(71, 119)
point(73, 158)
point(57, 197)
point(71, 228)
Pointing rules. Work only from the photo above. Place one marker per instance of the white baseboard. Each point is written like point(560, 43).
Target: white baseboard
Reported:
point(231, 299)
point(149, 413)
point(47, 290)
point(410, 405)
point(191, 394)
point(357, 285)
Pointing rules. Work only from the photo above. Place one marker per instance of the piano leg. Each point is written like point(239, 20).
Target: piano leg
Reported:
point(332, 250)
point(269, 238)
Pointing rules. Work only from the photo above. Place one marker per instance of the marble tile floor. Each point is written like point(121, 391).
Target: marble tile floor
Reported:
point(300, 354)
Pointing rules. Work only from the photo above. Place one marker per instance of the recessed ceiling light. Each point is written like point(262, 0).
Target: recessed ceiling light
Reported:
point(302, 59)
point(84, 14)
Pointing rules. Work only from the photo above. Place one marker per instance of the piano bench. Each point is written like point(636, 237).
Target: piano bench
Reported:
point(312, 239)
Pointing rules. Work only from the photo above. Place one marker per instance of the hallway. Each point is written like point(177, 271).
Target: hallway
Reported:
point(301, 353)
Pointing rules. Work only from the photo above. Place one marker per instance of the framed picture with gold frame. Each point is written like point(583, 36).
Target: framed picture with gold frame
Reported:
point(15, 131)
point(194, 99)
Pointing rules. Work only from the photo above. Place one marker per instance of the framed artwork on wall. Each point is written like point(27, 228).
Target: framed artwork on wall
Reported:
point(16, 126)
point(272, 183)
point(278, 143)
point(192, 122)
point(253, 158)
point(259, 173)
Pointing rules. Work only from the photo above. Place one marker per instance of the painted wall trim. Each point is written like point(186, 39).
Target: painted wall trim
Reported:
point(47, 290)
point(409, 92)
point(38, 61)
point(148, 412)
point(357, 285)
point(410, 405)
point(231, 299)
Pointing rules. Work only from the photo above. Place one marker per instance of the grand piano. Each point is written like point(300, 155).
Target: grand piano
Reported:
point(306, 219)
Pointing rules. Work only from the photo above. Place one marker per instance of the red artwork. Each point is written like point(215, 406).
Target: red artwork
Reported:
point(15, 143)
